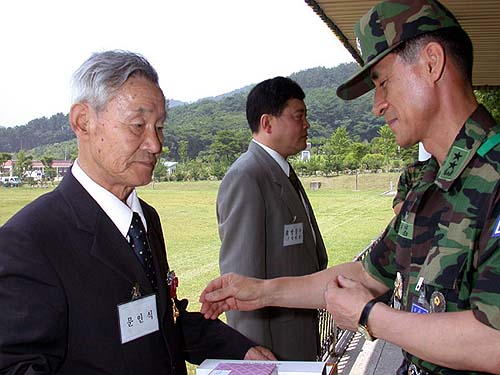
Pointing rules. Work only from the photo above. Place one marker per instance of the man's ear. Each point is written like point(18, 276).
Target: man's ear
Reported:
point(434, 58)
point(79, 119)
point(265, 123)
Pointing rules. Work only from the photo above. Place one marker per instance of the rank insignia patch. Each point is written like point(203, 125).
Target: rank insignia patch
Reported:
point(454, 163)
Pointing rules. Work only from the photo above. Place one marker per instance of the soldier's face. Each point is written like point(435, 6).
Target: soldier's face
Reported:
point(404, 97)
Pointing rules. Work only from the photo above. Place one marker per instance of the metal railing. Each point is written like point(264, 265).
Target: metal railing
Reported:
point(334, 340)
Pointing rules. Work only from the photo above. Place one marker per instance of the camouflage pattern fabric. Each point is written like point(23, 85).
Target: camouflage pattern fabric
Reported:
point(448, 232)
point(409, 177)
point(387, 25)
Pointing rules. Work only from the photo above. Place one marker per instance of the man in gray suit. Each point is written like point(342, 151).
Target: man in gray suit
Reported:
point(267, 227)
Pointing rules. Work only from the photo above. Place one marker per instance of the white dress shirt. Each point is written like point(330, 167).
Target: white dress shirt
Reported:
point(119, 212)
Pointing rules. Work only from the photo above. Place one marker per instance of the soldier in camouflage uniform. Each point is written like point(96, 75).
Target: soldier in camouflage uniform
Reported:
point(409, 177)
point(441, 256)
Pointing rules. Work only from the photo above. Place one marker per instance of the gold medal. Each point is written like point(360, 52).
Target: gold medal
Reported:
point(398, 291)
point(398, 286)
point(136, 292)
point(175, 311)
point(438, 302)
point(173, 283)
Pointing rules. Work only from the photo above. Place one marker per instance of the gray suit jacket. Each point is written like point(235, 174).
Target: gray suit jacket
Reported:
point(255, 202)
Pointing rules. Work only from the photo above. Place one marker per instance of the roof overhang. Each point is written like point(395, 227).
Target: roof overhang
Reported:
point(480, 18)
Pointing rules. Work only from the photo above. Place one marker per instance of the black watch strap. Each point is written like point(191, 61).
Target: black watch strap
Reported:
point(363, 319)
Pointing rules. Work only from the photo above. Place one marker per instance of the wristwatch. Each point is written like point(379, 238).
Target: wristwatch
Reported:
point(363, 320)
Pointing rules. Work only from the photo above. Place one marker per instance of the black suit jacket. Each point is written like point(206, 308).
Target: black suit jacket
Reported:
point(64, 268)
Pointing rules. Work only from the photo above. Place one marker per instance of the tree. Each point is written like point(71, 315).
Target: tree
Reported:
point(49, 172)
point(335, 149)
point(491, 100)
point(357, 151)
point(228, 145)
point(4, 156)
point(23, 164)
point(385, 144)
point(372, 161)
point(165, 151)
point(183, 151)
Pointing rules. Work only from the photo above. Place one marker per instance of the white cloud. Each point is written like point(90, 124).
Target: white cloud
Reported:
point(200, 48)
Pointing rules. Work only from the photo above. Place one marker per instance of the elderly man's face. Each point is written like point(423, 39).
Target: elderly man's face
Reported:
point(125, 138)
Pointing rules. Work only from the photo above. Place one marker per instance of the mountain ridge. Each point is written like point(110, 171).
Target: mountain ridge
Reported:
point(199, 122)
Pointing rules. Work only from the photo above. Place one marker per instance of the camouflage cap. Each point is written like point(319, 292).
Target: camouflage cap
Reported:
point(387, 25)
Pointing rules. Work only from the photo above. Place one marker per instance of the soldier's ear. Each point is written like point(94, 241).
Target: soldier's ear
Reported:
point(434, 58)
point(79, 119)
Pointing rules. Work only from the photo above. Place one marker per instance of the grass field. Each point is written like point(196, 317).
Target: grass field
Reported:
point(348, 220)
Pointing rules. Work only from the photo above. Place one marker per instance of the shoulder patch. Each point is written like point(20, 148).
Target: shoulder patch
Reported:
point(496, 229)
point(489, 144)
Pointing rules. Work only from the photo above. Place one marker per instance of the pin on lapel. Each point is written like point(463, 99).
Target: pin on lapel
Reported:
point(136, 292)
point(173, 283)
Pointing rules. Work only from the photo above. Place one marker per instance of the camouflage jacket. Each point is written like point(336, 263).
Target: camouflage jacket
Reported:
point(411, 174)
point(447, 235)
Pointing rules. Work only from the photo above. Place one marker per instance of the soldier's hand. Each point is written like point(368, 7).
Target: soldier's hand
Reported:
point(345, 299)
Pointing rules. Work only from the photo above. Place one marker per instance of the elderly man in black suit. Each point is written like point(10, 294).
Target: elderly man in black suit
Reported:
point(85, 286)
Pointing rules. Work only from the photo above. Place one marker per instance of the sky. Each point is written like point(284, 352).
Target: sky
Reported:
point(200, 48)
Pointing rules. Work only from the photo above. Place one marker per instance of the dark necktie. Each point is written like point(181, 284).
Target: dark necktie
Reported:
point(294, 180)
point(139, 243)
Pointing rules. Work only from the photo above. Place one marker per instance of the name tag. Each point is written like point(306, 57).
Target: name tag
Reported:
point(138, 318)
point(406, 230)
point(293, 234)
point(418, 309)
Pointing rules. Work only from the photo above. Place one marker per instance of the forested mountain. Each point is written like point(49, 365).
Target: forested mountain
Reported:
point(38, 132)
point(198, 123)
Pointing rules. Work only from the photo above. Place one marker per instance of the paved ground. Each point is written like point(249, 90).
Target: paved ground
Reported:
point(370, 358)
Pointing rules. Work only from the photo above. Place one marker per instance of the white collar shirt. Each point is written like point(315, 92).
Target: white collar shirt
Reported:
point(119, 212)
point(277, 157)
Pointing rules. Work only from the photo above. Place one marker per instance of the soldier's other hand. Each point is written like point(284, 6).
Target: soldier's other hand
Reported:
point(345, 299)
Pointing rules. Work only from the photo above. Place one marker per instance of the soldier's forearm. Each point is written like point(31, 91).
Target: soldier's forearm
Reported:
point(440, 337)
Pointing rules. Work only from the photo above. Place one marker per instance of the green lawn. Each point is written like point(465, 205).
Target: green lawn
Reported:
point(348, 220)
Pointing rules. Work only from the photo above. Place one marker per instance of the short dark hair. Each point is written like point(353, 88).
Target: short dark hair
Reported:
point(455, 42)
point(270, 97)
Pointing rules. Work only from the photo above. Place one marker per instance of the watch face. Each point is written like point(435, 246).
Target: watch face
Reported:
point(364, 331)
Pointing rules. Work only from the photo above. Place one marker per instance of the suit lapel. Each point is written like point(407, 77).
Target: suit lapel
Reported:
point(157, 244)
point(106, 243)
point(319, 246)
point(112, 249)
